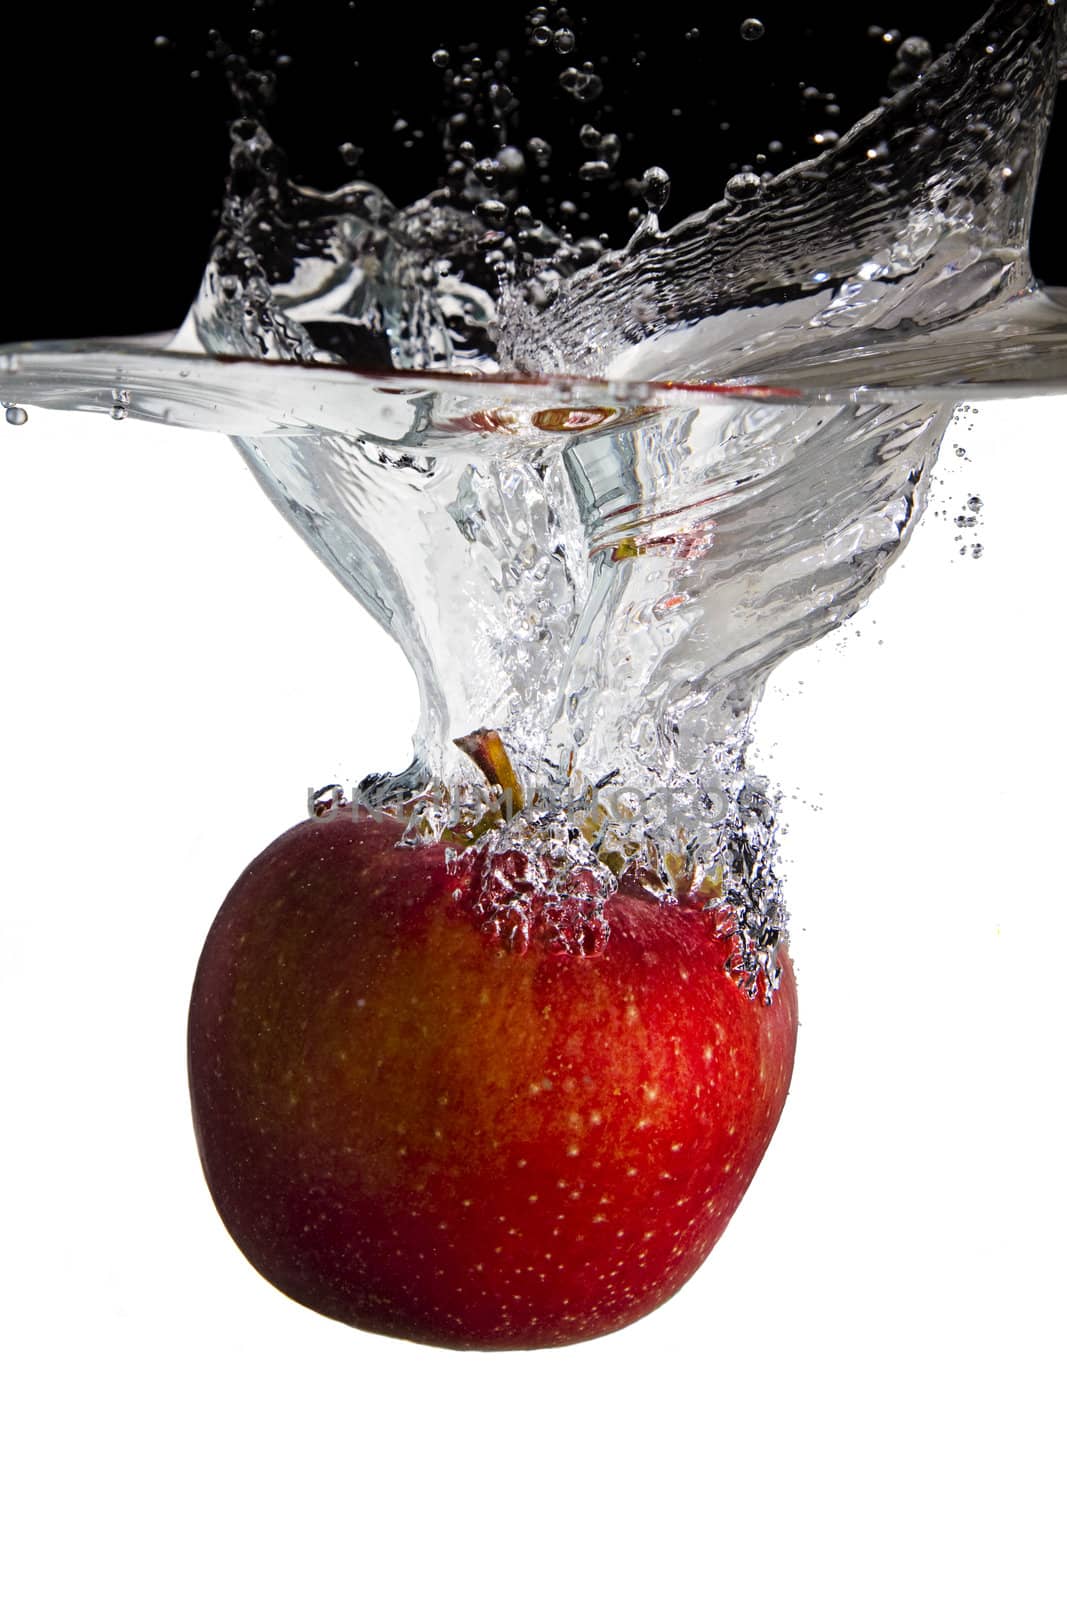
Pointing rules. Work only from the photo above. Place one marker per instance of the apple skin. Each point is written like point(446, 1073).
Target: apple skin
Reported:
point(414, 1128)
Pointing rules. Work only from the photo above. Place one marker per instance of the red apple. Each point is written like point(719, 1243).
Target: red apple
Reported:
point(413, 1126)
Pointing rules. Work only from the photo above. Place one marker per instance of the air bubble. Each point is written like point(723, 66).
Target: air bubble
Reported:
point(541, 36)
point(492, 211)
point(16, 415)
point(349, 153)
point(593, 171)
point(751, 29)
point(563, 39)
point(487, 171)
point(584, 86)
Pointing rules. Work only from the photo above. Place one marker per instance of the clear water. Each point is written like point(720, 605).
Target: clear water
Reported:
point(604, 567)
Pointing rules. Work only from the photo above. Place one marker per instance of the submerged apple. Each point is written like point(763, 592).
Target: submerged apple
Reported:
point(413, 1125)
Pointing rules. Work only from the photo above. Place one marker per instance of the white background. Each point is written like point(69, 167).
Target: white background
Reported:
point(861, 1393)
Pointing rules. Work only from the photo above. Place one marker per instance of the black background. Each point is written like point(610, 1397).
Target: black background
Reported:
point(116, 146)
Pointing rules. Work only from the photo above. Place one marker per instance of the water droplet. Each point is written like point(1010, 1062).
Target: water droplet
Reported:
point(349, 153)
point(322, 801)
point(914, 51)
point(589, 136)
point(744, 186)
point(16, 415)
point(826, 138)
point(441, 58)
point(593, 171)
point(656, 188)
point(752, 28)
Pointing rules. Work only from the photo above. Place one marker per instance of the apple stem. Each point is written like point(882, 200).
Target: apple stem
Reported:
point(486, 749)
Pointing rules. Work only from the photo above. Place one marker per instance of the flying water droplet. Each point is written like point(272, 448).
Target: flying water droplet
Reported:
point(656, 188)
point(16, 415)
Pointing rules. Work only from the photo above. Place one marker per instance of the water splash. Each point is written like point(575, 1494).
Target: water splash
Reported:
point(604, 568)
